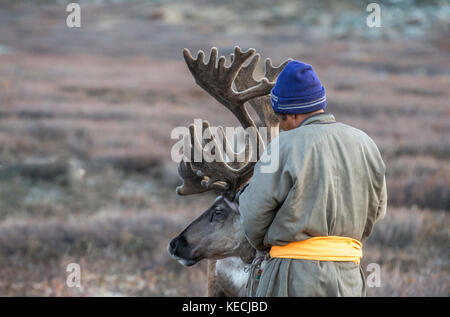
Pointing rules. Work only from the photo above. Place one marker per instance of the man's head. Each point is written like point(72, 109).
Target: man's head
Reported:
point(297, 94)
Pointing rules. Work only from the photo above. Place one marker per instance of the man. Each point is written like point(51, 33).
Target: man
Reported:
point(322, 201)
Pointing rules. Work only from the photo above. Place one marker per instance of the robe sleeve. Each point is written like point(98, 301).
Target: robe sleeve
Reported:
point(261, 198)
point(377, 213)
point(383, 202)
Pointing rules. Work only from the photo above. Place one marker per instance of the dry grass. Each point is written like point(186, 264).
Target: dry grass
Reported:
point(116, 225)
point(85, 122)
point(411, 247)
point(122, 254)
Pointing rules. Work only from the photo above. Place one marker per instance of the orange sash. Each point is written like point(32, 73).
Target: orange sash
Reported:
point(327, 248)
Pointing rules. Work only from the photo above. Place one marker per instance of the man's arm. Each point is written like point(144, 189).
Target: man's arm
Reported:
point(383, 202)
point(378, 214)
point(260, 199)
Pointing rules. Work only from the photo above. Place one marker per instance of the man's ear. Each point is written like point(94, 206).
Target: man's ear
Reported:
point(293, 116)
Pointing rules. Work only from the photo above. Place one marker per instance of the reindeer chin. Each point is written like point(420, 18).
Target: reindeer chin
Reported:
point(187, 263)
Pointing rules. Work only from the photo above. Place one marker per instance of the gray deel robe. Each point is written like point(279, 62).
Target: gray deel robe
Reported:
point(330, 182)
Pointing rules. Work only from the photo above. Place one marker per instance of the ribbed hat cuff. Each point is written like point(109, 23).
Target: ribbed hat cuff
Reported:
point(292, 110)
point(298, 104)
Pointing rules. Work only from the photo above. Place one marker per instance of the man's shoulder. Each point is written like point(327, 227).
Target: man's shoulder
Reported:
point(354, 131)
point(314, 133)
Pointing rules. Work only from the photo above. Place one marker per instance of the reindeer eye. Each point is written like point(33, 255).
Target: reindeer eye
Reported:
point(217, 214)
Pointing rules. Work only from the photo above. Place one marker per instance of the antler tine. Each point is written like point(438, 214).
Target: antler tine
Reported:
point(272, 72)
point(191, 181)
point(234, 157)
point(218, 145)
point(247, 72)
point(211, 150)
point(212, 58)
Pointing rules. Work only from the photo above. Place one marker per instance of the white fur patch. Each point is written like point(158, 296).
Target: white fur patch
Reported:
point(233, 270)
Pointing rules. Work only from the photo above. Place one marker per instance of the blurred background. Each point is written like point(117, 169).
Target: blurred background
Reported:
point(86, 114)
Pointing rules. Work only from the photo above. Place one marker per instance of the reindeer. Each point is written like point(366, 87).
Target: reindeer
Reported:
point(217, 235)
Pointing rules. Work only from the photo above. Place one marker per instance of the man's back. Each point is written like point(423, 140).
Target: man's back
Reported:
point(330, 183)
point(339, 175)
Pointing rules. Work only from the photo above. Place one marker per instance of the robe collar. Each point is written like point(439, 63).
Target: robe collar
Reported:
point(318, 118)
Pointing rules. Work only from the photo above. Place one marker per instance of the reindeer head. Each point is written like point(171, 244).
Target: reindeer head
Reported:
point(217, 232)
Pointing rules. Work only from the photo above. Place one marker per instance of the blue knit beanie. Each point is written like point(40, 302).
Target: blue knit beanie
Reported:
point(298, 90)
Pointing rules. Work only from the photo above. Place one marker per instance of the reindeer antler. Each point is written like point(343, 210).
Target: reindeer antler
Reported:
point(217, 79)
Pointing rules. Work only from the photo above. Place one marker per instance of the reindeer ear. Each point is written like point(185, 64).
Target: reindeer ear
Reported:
point(232, 204)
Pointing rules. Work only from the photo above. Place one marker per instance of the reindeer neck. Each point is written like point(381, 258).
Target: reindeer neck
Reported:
point(246, 252)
